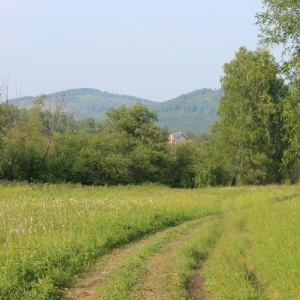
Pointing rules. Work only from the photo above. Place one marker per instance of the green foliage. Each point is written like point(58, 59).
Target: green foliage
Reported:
point(137, 122)
point(129, 148)
point(194, 112)
point(182, 169)
point(84, 103)
point(291, 155)
point(24, 146)
point(279, 25)
point(188, 168)
point(144, 143)
point(51, 147)
point(250, 131)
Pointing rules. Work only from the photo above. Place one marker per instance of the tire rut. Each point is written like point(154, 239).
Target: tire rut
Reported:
point(194, 285)
point(162, 267)
point(86, 288)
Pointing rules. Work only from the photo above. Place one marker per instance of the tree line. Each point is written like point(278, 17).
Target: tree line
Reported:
point(255, 141)
point(128, 148)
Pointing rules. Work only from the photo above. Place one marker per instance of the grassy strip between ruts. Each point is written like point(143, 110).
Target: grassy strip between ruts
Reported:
point(127, 279)
point(169, 270)
point(87, 285)
point(173, 254)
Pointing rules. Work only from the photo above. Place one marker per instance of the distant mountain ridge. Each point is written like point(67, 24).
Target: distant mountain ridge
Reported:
point(194, 112)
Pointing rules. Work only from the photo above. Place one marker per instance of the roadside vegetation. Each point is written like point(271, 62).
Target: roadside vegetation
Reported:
point(51, 233)
point(245, 239)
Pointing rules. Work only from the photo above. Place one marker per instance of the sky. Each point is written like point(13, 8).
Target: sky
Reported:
point(153, 49)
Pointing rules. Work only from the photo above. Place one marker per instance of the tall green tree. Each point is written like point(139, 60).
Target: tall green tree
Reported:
point(138, 122)
point(145, 143)
point(24, 145)
point(249, 134)
point(280, 26)
point(189, 167)
point(4, 117)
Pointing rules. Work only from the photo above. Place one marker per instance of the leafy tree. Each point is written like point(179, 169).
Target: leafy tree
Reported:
point(280, 25)
point(90, 125)
point(144, 142)
point(54, 121)
point(250, 132)
point(63, 157)
point(188, 167)
point(3, 131)
point(137, 121)
point(129, 148)
point(213, 162)
point(291, 155)
point(24, 144)
point(101, 160)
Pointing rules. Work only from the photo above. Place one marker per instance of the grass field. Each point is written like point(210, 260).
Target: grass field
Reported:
point(246, 238)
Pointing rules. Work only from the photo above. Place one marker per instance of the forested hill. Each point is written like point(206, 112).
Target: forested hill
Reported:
point(85, 102)
point(193, 112)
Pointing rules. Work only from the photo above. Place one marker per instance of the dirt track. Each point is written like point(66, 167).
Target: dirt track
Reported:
point(160, 268)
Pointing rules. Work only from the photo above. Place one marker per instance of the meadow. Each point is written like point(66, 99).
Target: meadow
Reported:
point(246, 238)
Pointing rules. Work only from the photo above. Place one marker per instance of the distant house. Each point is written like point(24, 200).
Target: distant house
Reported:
point(177, 137)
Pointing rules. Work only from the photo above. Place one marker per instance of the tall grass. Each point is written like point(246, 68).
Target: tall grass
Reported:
point(275, 259)
point(50, 233)
point(257, 256)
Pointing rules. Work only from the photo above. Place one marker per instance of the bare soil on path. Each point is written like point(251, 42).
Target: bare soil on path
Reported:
point(161, 263)
point(195, 284)
point(86, 287)
point(162, 269)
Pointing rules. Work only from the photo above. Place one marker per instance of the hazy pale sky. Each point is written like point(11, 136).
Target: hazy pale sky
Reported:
point(154, 49)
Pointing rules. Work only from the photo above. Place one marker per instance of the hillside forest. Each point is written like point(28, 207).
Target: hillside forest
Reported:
point(193, 112)
point(254, 141)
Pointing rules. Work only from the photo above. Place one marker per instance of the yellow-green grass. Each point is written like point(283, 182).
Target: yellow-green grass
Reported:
point(179, 263)
point(257, 255)
point(51, 233)
point(124, 284)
